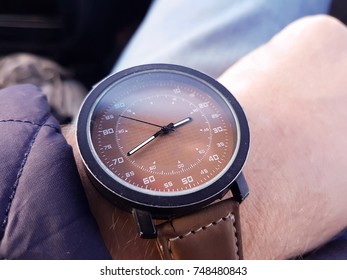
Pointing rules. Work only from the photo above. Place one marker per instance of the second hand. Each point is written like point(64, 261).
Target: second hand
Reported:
point(129, 118)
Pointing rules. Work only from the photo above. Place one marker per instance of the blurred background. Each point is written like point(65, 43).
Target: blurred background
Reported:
point(69, 45)
point(84, 36)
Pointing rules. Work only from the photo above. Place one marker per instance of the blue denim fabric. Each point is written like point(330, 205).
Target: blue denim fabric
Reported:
point(211, 35)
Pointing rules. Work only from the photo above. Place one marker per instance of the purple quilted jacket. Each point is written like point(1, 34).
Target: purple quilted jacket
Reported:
point(43, 211)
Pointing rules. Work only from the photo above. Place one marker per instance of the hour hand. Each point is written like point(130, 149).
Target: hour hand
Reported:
point(182, 122)
point(164, 130)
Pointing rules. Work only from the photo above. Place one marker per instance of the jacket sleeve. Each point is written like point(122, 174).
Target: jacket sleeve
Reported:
point(43, 211)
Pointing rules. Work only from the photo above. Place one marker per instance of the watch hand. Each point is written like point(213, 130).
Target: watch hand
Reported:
point(182, 122)
point(163, 130)
point(138, 147)
point(157, 125)
point(144, 143)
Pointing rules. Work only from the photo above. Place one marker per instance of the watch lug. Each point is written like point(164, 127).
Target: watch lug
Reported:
point(145, 224)
point(239, 188)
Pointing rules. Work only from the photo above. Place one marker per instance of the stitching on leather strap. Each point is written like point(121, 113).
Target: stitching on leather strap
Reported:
point(236, 239)
point(215, 223)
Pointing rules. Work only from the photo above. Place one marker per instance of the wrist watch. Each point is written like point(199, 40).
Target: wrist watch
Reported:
point(168, 144)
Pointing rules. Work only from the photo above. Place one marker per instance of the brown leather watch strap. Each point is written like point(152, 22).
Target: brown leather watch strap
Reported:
point(210, 233)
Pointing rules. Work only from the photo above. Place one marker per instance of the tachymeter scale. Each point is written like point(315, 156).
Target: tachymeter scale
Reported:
point(185, 158)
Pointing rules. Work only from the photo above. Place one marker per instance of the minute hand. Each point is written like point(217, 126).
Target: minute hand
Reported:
point(164, 130)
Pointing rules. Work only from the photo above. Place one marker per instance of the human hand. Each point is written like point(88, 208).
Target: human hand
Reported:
point(293, 92)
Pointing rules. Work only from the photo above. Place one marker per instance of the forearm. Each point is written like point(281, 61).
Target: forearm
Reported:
point(117, 227)
point(293, 93)
point(296, 166)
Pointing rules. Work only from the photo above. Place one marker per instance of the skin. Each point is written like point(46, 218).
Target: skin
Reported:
point(293, 91)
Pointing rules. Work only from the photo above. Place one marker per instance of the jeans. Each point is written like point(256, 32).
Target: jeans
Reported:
point(211, 35)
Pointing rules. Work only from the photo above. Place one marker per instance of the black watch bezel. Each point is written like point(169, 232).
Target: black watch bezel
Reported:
point(160, 206)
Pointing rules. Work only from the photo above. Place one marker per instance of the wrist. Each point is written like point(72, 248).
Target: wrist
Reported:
point(117, 227)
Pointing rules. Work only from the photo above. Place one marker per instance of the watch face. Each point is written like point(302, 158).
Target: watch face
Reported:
point(162, 138)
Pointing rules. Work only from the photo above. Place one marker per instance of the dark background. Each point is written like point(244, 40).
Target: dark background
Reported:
point(85, 36)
